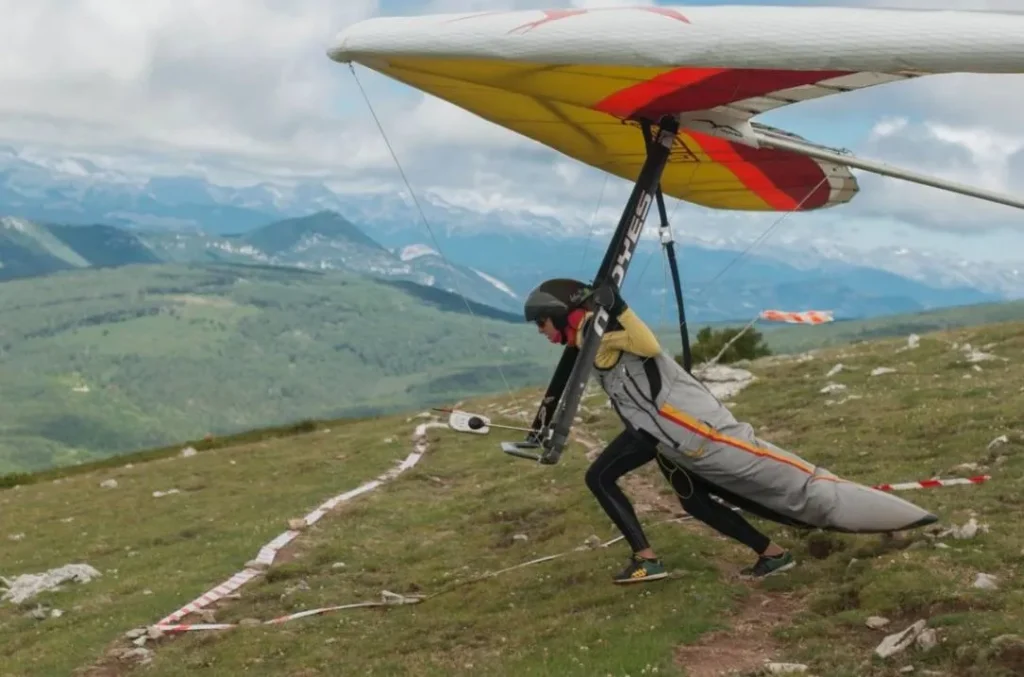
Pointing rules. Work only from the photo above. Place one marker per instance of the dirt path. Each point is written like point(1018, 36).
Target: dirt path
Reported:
point(746, 644)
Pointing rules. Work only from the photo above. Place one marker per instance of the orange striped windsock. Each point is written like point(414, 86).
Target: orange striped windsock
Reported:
point(805, 317)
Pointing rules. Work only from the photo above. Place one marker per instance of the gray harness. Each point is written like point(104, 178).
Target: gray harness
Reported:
point(695, 431)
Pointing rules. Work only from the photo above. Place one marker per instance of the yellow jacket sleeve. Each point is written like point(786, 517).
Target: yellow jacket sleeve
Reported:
point(634, 337)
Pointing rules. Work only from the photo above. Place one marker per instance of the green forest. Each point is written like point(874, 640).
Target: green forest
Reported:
point(98, 362)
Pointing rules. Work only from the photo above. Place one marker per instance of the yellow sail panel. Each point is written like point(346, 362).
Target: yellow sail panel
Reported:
point(583, 111)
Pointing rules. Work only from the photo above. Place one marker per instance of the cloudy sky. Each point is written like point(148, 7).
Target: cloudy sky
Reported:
point(241, 90)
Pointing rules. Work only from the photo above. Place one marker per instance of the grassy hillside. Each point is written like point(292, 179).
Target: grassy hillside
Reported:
point(103, 361)
point(97, 362)
point(440, 526)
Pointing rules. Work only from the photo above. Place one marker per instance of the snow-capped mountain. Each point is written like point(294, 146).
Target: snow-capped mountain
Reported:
point(328, 242)
point(494, 257)
point(998, 278)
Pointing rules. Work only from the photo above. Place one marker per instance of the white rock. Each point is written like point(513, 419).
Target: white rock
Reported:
point(913, 341)
point(986, 582)
point(998, 442)
point(161, 494)
point(188, 451)
point(16, 537)
point(786, 668)
point(833, 388)
point(723, 381)
point(973, 355)
point(927, 639)
point(140, 654)
point(109, 484)
point(966, 532)
point(878, 371)
point(520, 537)
point(876, 622)
point(834, 370)
point(27, 586)
point(899, 641)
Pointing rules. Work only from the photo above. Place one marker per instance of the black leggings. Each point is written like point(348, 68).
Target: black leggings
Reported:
point(629, 451)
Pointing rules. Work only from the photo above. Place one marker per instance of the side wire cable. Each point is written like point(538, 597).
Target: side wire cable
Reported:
point(703, 288)
point(593, 221)
point(423, 216)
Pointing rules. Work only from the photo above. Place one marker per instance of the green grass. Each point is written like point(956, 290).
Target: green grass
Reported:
point(452, 517)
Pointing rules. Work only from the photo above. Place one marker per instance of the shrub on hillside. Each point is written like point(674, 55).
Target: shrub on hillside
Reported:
point(709, 343)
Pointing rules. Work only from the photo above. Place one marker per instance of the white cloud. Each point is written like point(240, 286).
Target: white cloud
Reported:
point(974, 156)
point(247, 78)
point(241, 89)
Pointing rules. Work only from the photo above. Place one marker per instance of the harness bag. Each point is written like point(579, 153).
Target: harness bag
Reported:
point(697, 432)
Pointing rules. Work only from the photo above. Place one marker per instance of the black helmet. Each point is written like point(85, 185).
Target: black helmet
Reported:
point(555, 299)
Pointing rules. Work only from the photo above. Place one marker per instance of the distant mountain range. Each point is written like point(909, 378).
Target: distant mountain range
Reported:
point(323, 241)
point(71, 213)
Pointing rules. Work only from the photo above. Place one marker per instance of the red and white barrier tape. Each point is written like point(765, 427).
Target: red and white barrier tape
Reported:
point(929, 484)
point(267, 553)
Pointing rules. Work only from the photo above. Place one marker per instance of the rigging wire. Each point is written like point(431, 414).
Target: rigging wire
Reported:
point(593, 220)
point(423, 215)
point(665, 290)
point(701, 290)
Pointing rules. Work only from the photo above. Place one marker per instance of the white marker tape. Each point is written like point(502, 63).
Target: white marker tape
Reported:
point(268, 552)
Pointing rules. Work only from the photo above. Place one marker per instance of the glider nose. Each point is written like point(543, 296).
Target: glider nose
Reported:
point(923, 522)
point(337, 50)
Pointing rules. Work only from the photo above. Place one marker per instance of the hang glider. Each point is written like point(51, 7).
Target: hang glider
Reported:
point(666, 96)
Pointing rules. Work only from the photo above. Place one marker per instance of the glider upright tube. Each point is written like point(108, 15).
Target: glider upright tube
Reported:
point(669, 245)
point(611, 273)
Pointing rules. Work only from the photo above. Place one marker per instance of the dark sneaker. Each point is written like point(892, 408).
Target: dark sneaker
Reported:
point(767, 566)
point(640, 570)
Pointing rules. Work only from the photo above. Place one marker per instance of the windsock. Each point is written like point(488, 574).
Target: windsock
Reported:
point(805, 317)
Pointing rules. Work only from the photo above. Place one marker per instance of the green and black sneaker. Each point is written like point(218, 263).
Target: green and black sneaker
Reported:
point(641, 570)
point(769, 566)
